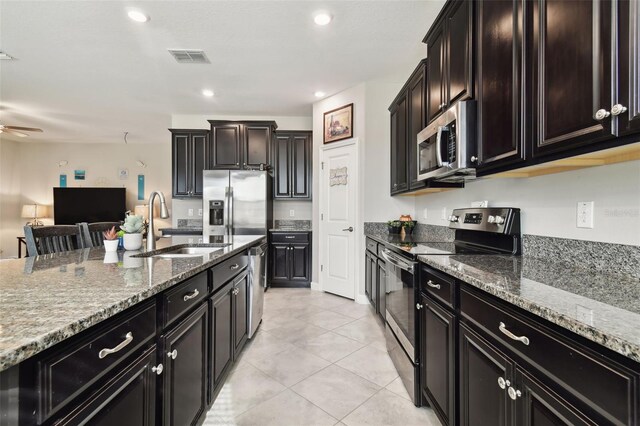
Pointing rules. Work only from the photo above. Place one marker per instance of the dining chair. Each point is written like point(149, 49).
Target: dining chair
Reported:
point(92, 232)
point(52, 239)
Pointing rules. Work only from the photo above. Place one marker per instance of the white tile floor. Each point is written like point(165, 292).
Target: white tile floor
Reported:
point(317, 359)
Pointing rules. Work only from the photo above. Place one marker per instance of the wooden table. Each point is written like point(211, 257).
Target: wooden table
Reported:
point(22, 241)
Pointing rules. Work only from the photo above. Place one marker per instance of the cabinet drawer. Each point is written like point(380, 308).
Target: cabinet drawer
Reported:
point(571, 365)
point(228, 269)
point(183, 297)
point(290, 237)
point(65, 373)
point(372, 246)
point(438, 286)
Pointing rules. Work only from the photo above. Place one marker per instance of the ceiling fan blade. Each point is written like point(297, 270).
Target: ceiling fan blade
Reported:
point(26, 129)
point(14, 132)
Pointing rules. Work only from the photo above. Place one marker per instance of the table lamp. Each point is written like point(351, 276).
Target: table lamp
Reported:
point(34, 211)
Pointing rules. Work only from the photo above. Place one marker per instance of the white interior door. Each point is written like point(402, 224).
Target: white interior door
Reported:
point(338, 195)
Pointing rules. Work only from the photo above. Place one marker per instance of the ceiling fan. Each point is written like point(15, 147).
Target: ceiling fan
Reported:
point(17, 130)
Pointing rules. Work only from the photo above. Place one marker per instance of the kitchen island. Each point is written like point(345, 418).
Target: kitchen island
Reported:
point(83, 332)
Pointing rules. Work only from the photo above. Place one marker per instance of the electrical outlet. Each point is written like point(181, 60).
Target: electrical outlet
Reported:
point(292, 213)
point(425, 214)
point(190, 212)
point(584, 214)
point(444, 214)
point(199, 212)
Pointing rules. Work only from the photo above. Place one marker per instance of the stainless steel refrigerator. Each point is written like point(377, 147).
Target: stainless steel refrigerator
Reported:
point(235, 203)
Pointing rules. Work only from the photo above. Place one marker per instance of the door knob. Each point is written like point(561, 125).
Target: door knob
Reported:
point(350, 229)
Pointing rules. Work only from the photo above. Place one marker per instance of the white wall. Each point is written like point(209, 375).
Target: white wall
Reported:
point(10, 199)
point(548, 202)
point(38, 171)
point(302, 210)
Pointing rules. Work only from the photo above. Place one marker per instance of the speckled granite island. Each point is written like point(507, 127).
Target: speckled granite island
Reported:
point(96, 309)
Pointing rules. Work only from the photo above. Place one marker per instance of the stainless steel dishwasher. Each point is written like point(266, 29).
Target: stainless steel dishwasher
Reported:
point(258, 281)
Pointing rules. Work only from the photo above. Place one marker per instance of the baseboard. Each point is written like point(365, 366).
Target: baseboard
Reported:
point(316, 286)
point(362, 299)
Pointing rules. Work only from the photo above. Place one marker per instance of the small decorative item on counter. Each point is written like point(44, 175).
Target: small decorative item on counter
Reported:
point(394, 226)
point(110, 240)
point(120, 239)
point(133, 227)
point(408, 226)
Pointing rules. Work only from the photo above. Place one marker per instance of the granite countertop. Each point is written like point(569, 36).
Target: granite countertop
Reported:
point(47, 299)
point(602, 307)
point(291, 229)
point(397, 239)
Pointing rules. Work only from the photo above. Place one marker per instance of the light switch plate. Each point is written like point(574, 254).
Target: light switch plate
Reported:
point(199, 212)
point(584, 214)
point(190, 212)
point(292, 213)
point(483, 203)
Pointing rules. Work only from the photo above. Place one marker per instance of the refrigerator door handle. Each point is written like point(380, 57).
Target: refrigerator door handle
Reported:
point(227, 198)
point(230, 204)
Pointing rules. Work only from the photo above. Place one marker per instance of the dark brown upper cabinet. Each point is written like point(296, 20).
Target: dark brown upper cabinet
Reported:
point(501, 138)
point(399, 175)
point(241, 145)
point(190, 150)
point(417, 121)
point(292, 165)
point(570, 61)
point(628, 102)
point(450, 57)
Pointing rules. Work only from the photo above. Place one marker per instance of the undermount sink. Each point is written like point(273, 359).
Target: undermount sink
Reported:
point(189, 251)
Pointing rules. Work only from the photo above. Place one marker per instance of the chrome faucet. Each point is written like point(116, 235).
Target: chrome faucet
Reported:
point(164, 213)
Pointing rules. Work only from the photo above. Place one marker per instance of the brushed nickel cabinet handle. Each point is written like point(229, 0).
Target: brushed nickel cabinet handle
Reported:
point(601, 114)
point(618, 109)
point(128, 338)
point(173, 354)
point(510, 335)
point(513, 393)
point(157, 369)
point(502, 383)
point(191, 295)
point(433, 285)
point(234, 266)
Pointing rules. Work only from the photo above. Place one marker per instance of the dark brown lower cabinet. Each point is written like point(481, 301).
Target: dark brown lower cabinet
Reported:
point(371, 269)
point(381, 285)
point(537, 405)
point(481, 366)
point(300, 270)
point(240, 294)
point(129, 399)
point(290, 259)
point(438, 330)
point(221, 342)
point(185, 373)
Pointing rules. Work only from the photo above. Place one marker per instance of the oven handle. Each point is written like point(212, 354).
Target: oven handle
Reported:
point(439, 147)
point(409, 267)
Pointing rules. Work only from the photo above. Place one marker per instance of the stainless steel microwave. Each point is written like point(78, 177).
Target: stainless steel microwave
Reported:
point(447, 146)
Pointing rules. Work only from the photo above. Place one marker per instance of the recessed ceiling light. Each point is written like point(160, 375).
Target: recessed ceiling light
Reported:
point(138, 16)
point(322, 18)
point(208, 93)
point(319, 94)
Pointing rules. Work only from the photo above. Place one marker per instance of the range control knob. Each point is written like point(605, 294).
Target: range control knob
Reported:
point(499, 220)
point(453, 218)
point(491, 219)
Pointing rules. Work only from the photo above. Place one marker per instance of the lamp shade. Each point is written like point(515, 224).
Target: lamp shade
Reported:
point(142, 210)
point(34, 211)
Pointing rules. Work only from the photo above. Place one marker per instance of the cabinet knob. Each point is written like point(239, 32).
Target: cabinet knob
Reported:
point(618, 109)
point(157, 369)
point(419, 306)
point(601, 114)
point(502, 383)
point(173, 354)
point(513, 393)
point(474, 159)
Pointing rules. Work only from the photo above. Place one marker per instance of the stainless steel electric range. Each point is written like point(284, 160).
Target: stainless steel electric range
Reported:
point(491, 230)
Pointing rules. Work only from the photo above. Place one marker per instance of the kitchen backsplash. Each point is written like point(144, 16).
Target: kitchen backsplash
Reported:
point(603, 257)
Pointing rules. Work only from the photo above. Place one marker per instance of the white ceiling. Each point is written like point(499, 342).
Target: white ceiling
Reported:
point(84, 72)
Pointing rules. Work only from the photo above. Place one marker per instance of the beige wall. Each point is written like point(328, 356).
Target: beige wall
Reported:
point(38, 172)
point(10, 199)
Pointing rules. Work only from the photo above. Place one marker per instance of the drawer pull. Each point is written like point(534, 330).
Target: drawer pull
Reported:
point(173, 354)
point(503, 329)
point(290, 237)
point(514, 394)
point(433, 285)
point(234, 266)
point(191, 295)
point(157, 369)
point(128, 338)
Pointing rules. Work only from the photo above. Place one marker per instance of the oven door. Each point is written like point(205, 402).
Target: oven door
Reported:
point(400, 300)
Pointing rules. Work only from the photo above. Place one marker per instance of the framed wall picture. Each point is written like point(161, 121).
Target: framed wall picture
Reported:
point(338, 124)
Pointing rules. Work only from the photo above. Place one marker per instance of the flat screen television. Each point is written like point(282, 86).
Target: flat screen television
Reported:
point(75, 205)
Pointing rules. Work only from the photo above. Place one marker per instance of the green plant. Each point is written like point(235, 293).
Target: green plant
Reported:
point(111, 234)
point(133, 224)
point(394, 223)
point(120, 233)
point(408, 223)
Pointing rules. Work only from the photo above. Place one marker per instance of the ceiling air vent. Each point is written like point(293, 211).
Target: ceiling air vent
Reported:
point(184, 56)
